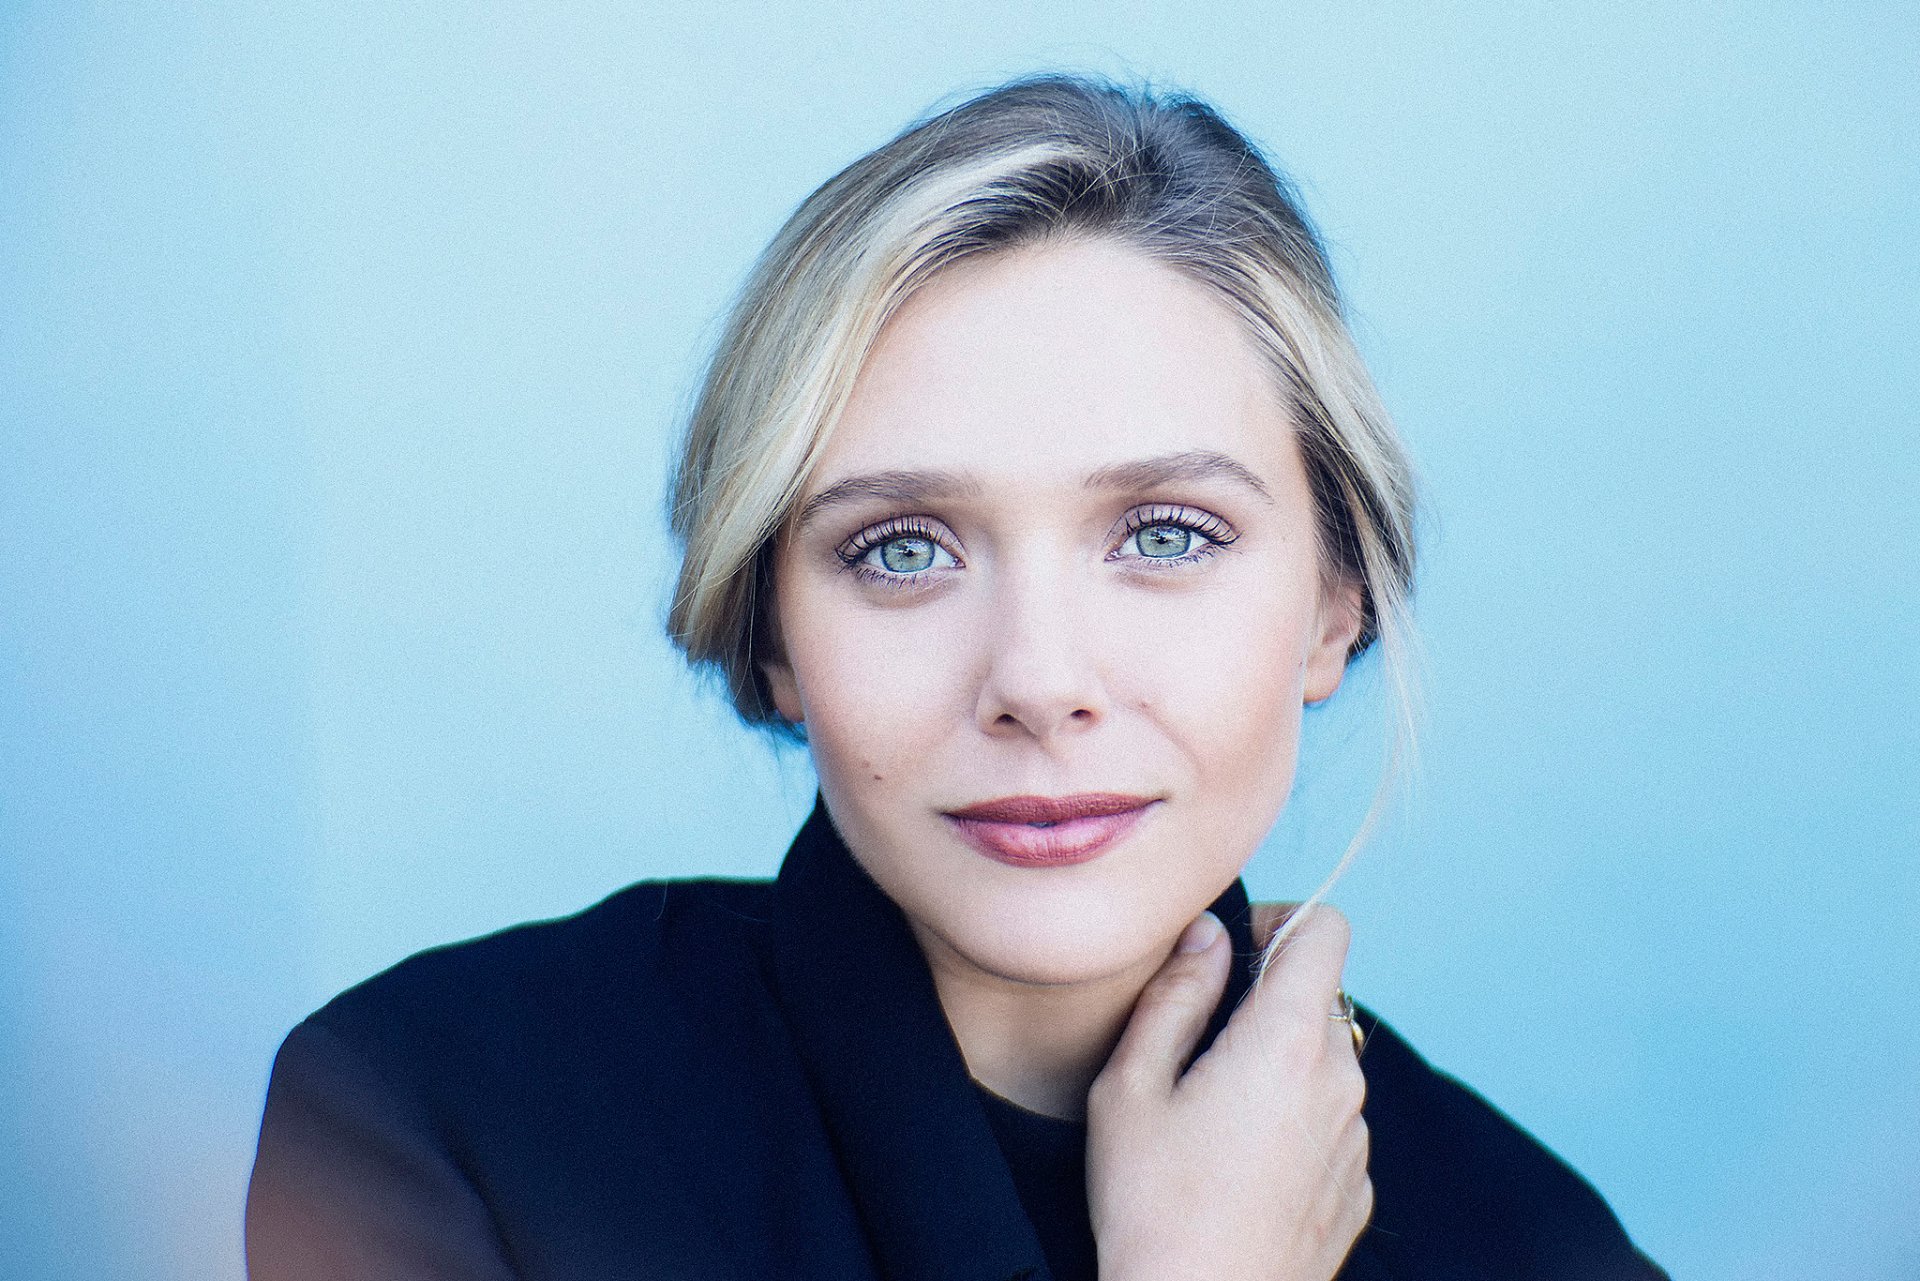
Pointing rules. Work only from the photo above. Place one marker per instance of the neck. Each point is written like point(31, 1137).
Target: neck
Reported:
point(1037, 1044)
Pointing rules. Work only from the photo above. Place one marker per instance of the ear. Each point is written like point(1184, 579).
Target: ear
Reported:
point(769, 640)
point(1340, 611)
point(785, 690)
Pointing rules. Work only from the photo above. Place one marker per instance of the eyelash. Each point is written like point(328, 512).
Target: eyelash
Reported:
point(1213, 529)
point(1210, 527)
point(853, 552)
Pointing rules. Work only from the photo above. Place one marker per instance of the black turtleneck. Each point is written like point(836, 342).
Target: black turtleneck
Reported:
point(1048, 1157)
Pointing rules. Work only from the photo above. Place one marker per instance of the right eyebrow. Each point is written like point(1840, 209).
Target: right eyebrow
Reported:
point(894, 486)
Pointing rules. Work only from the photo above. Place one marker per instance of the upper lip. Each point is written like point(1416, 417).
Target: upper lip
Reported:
point(1052, 809)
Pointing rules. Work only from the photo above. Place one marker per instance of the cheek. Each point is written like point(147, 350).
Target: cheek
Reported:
point(1236, 719)
point(878, 686)
point(1225, 676)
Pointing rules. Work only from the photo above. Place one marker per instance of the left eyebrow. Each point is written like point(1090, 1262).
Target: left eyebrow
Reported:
point(1191, 464)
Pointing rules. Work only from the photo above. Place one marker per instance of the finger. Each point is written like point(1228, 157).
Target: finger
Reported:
point(1359, 1208)
point(1267, 918)
point(1172, 1011)
point(1286, 1016)
point(1304, 977)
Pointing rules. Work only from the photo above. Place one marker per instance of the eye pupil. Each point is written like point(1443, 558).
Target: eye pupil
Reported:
point(1165, 540)
point(906, 555)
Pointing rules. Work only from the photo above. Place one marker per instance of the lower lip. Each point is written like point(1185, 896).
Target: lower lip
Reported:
point(1076, 840)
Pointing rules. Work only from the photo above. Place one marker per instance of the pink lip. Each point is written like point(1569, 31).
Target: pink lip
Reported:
point(1077, 828)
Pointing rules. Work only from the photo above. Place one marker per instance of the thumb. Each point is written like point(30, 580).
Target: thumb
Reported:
point(1171, 1012)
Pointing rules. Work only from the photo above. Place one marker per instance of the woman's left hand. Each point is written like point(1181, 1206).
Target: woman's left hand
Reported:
point(1252, 1162)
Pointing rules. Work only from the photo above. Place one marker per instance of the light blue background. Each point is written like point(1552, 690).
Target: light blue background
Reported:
point(339, 352)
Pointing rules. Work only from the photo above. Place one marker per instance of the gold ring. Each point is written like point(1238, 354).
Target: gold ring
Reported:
point(1343, 1013)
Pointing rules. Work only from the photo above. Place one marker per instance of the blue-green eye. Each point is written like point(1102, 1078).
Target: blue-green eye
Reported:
point(904, 551)
point(1169, 534)
point(907, 555)
point(1162, 541)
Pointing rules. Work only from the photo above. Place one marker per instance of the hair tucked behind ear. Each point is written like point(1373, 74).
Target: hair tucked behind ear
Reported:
point(1037, 159)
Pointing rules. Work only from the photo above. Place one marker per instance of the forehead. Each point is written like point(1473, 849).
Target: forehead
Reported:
point(1044, 364)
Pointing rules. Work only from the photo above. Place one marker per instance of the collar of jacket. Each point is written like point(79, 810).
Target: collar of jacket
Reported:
point(933, 1190)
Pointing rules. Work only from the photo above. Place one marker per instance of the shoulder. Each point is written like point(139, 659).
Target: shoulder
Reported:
point(556, 986)
point(1462, 1190)
point(418, 1123)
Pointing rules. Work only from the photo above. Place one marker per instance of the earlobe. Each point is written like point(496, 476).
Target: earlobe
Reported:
point(785, 691)
point(1340, 612)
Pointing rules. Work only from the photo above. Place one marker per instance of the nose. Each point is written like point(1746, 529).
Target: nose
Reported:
point(1042, 677)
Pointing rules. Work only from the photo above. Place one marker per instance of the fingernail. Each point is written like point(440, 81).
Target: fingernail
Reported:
point(1200, 935)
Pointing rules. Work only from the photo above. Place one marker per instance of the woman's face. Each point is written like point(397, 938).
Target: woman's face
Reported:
point(1060, 545)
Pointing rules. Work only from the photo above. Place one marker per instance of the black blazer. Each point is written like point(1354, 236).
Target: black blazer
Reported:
point(715, 1079)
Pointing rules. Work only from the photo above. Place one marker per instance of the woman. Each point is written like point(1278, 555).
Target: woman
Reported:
point(1037, 487)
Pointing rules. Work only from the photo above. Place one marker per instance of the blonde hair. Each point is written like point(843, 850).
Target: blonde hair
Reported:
point(1032, 160)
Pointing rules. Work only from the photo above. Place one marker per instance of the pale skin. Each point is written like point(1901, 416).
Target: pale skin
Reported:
point(1061, 541)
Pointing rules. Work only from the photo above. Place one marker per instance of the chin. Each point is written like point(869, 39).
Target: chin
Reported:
point(1046, 966)
point(1061, 939)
